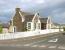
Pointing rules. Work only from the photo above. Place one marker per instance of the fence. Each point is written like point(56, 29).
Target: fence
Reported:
point(27, 34)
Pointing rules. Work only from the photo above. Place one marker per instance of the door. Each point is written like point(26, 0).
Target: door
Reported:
point(43, 26)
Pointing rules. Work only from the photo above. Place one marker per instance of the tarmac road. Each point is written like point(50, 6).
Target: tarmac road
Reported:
point(54, 42)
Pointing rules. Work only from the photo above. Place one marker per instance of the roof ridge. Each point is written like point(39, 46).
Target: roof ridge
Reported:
point(43, 17)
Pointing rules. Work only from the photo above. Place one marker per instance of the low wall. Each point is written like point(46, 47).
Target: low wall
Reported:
point(27, 34)
point(50, 31)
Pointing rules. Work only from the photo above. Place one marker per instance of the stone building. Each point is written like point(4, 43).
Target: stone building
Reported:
point(23, 21)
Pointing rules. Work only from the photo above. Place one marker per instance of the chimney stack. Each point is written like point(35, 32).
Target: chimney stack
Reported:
point(17, 9)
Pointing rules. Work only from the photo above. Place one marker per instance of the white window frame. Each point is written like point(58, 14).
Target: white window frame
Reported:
point(28, 26)
point(38, 26)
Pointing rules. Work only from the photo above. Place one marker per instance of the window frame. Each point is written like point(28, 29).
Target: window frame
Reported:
point(28, 26)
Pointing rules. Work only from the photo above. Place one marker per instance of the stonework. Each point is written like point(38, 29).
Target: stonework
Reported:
point(17, 21)
point(21, 19)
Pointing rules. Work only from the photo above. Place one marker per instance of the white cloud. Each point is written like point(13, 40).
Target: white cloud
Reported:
point(33, 1)
point(26, 1)
point(53, 7)
point(2, 2)
point(39, 1)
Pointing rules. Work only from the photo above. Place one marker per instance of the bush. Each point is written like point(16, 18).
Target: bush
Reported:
point(64, 28)
point(0, 28)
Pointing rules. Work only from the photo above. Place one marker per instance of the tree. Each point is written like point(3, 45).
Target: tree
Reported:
point(1, 28)
point(64, 28)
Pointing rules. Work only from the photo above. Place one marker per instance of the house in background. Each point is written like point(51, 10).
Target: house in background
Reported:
point(55, 25)
point(5, 28)
point(11, 27)
point(23, 21)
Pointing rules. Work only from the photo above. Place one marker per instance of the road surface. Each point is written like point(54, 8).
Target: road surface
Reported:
point(55, 42)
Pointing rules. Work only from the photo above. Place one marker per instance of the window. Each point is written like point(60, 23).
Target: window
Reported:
point(38, 25)
point(29, 26)
point(34, 26)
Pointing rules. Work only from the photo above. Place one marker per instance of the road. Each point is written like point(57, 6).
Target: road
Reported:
point(26, 48)
point(55, 42)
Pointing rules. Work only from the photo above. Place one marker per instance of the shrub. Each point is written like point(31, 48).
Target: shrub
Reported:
point(0, 28)
point(64, 28)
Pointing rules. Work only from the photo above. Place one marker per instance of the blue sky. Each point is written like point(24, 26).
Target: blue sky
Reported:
point(53, 8)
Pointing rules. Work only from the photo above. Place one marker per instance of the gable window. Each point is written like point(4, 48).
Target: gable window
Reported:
point(39, 26)
point(34, 26)
point(28, 25)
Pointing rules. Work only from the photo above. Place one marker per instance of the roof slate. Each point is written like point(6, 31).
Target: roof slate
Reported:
point(43, 20)
point(29, 16)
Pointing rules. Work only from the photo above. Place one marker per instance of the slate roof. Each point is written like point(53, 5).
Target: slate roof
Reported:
point(29, 16)
point(25, 13)
point(43, 20)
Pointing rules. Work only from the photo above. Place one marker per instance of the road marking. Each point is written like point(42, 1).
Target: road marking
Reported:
point(52, 46)
point(36, 42)
point(34, 46)
point(27, 45)
point(53, 40)
point(61, 47)
point(42, 40)
point(43, 46)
